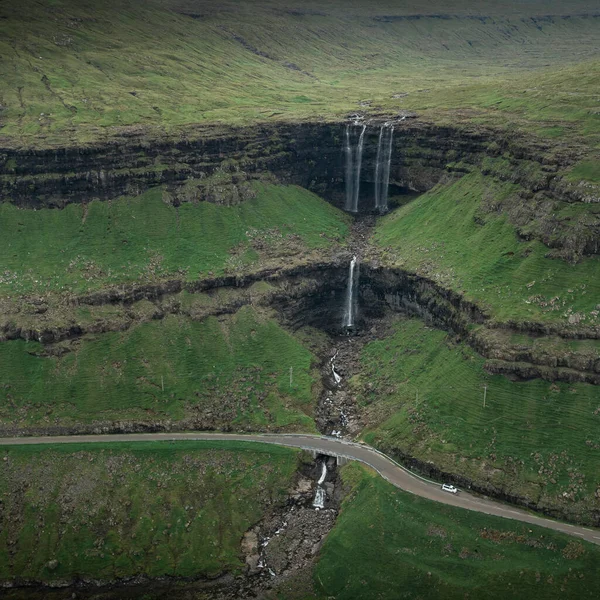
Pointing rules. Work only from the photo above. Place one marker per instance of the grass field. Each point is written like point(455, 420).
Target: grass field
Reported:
point(556, 103)
point(481, 256)
point(82, 70)
point(230, 372)
point(390, 544)
point(83, 248)
point(110, 511)
point(423, 396)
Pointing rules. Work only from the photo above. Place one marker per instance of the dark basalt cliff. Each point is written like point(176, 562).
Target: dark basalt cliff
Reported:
point(309, 155)
point(216, 164)
point(385, 289)
point(314, 295)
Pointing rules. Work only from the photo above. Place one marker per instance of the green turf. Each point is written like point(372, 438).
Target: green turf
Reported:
point(86, 69)
point(586, 170)
point(423, 396)
point(227, 372)
point(557, 102)
point(144, 239)
point(481, 257)
point(110, 511)
point(389, 544)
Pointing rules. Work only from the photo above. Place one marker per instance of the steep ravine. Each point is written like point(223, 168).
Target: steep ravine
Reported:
point(314, 297)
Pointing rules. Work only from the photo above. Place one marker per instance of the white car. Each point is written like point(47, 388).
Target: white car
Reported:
point(449, 488)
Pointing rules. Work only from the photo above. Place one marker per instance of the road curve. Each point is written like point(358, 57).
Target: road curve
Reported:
point(386, 467)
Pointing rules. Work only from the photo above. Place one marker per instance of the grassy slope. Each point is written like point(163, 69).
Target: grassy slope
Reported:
point(118, 510)
point(85, 67)
point(481, 256)
point(533, 438)
point(143, 238)
point(231, 372)
point(389, 544)
point(555, 103)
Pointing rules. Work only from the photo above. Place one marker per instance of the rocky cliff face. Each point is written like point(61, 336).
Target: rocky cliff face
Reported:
point(385, 289)
point(307, 154)
point(314, 295)
point(216, 164)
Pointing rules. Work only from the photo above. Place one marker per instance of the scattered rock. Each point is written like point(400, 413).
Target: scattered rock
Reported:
point(304, 486)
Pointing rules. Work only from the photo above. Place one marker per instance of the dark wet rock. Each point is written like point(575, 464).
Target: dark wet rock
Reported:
point(217, 164)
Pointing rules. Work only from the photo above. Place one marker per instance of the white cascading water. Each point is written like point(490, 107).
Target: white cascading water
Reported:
point(353, 168)
point(378, 169)
point(319, 501)
point(351, 293)
point(336, 376)
point(385, 184)
point(349, 170)
point(382, 167)
point(359, 153)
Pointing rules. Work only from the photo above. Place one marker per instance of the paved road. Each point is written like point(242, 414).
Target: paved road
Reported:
point(391, 471)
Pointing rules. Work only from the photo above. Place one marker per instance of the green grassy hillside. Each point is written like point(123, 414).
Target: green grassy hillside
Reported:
point(481, 256)
point(106, 512)
point(83, 248)
point(423, 396)
point(390, 544)
point(84, 70)
point(231, 372)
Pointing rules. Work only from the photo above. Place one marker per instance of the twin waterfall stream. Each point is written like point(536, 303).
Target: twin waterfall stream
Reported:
point(354, 155)
point(353, 167)
point(382, 167)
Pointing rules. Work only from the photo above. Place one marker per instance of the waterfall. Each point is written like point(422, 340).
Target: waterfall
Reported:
point(349, 171)
point(351, 294)
point(323, 473)
point(378, 168)
point(336, 375)
point(353, 167)
point(319, 501)
point(359, 152)
point(382, 166)
point(385, 184)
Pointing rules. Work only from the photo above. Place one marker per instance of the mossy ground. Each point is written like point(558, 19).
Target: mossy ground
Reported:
point(112, 511)
point(423, 396)
point(390, 544)
point(585, 171)
point(227, 372)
